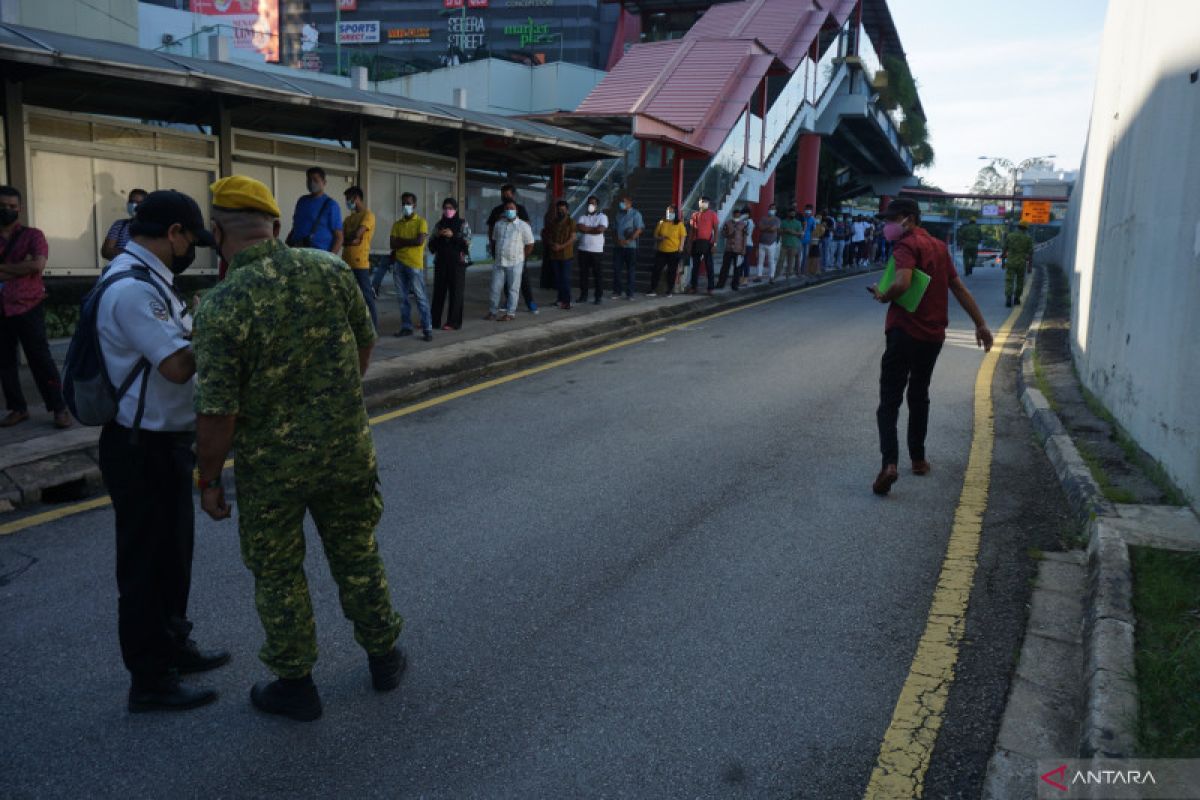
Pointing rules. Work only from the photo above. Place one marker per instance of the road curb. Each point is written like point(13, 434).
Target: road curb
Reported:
point(1110, 691)
point(65, 465)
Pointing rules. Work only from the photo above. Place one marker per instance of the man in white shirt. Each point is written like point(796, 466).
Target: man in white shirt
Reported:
point(858, 241)
point(146, 455)
point(592, 225)
point(513, 240)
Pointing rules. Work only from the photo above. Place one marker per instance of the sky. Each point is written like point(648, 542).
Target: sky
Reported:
point(1011, 79)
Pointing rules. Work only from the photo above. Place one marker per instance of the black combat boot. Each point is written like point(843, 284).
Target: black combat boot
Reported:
point(387, 669)
point(295, 698)
point(167, 693)
point(1007, 301)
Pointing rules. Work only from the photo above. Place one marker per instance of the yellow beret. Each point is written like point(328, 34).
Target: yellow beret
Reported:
point(240, 193)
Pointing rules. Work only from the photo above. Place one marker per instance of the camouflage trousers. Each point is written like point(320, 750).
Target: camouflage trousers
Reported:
point(1014, 281)
point(271, 524)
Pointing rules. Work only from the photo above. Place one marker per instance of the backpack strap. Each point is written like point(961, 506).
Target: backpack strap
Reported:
point(317, 218)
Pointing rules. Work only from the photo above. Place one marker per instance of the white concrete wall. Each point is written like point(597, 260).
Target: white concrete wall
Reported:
point(502, 87)
point(1132, 239)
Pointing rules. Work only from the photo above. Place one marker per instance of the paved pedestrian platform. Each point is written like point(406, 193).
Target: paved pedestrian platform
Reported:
point(34, 454)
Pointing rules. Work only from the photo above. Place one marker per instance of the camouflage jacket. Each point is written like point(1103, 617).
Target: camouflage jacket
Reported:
point(1018, 247)
point(969, 236)
point(277, 345)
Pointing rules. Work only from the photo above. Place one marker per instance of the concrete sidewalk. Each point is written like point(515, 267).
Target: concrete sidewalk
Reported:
point(38, 462)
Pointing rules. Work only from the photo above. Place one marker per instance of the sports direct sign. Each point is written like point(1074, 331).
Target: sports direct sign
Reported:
point(358, 32)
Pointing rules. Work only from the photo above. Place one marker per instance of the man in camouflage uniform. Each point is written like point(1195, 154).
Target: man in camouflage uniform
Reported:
point(281, 345)
point(969, 236)
point(1018, 252)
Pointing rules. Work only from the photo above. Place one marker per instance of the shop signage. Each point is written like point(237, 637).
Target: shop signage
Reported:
point(1035, 212)
point(358, 32)
point(529, 3)
point(466, 33)
point(467, 3)
point(347, 5)
point(530, 32)
point(409, 35)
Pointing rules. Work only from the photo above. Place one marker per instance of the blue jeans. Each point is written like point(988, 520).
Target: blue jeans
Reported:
point(624, 260)
point(363, 276)
point(378, 273)
point(500, 276)
point(411, 280)
point(562, 279)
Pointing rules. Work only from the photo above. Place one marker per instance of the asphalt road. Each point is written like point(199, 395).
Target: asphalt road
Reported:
point(658, 572)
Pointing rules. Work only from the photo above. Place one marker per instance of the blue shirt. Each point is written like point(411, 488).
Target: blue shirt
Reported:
point(307, 209)
point(809, 224)
point(628, 222)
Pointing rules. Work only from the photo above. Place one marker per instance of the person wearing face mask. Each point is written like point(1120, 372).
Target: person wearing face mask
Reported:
point(23, 253)
point(317, 221)
point(513, 240)
point(591, 224)
point(734, 233)
point(450, 243)
point(559, 240)
point(702, 230)
point(768, 245)
point(669, 235)
point(508, 193)
point(409, 234)
point(915, 338)
point(809, 221)
point(359, 227)
point(281, 347)
point(118, 233)
point(629, 229)
point(790, 231)
point(146, 458)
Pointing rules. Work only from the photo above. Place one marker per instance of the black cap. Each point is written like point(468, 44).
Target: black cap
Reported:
point(900, 207)
point(164, 208)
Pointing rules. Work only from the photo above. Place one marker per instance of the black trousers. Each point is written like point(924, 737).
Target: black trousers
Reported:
point(29, 331)
point(905, 361)
point(589, 264)
point(668, 262)
point(449, 283)
point(702, 252)
point(729, 261)
point(149, 477)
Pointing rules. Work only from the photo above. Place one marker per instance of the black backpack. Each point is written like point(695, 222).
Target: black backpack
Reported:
point(87, 389)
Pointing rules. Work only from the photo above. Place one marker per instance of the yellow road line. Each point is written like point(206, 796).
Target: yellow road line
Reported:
point(99, 502)
point(908, 743)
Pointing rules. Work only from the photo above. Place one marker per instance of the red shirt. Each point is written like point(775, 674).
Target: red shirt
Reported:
point(22, 294)
point(918, 250)
point(704, 225)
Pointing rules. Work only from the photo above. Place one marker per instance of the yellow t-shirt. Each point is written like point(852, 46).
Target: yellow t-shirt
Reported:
point(673, 234)
point(410, 228)
point(358, 256)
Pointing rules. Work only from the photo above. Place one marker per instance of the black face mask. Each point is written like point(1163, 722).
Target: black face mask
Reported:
point(7, 216)
point(180, 263)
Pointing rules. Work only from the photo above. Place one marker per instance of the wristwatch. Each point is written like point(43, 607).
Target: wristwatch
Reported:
point(203, 485)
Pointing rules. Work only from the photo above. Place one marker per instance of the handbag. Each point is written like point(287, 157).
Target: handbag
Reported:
point(306, 241)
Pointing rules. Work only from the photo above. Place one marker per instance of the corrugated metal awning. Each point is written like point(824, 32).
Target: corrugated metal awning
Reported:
point(93, 76)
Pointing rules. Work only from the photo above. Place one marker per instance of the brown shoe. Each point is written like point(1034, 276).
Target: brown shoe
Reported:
point(490, 316)
point(62, 419)
point(884, 480)
point(13, 418)
point(921, 467)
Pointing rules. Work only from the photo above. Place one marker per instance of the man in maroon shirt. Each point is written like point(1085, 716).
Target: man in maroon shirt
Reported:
point(914, 339)
point(23, 254)
point(702, 230)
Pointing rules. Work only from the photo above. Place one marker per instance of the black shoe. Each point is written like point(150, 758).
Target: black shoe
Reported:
point(1016, 301)
point(1008, 302)
point(404, 332)
point(581, 299)
point(190, 658)
point(427, 336)
point(294, 698)
point(168, 694)
point(387, 669)
point(597, 301)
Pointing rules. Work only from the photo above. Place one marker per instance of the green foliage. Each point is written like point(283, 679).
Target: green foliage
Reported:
point(61, 320)
point(1166, 599)
point(901, 89)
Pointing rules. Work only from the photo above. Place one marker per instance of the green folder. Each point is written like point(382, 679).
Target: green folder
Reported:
point(916, 289)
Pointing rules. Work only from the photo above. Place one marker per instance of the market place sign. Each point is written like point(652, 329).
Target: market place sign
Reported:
point(530, 32)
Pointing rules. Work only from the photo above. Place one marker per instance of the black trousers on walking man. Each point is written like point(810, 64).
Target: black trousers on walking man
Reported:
point(906, 361)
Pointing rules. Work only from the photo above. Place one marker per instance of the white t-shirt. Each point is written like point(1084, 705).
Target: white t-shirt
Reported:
point(860, 231)
point(592, 242)
point(133, 324)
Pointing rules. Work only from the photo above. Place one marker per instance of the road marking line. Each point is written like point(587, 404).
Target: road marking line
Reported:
point(907, 746)
point(51, 516)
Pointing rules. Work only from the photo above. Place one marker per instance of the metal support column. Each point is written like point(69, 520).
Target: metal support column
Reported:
point(224, 132)
point(14, 139)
